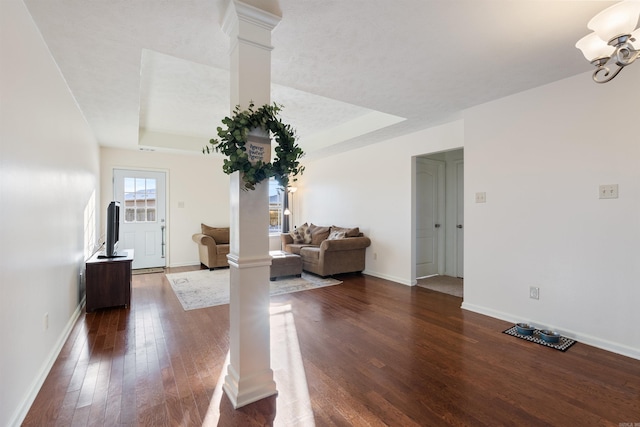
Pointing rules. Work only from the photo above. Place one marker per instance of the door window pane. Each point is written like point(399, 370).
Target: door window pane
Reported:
point(139, 199)
point(129, 215)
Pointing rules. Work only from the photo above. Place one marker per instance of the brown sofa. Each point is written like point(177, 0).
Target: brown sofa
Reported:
point(326, 251)
point(213, 246)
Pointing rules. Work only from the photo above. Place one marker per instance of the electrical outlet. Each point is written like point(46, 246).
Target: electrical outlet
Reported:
point(534, 293)
point(481, 197)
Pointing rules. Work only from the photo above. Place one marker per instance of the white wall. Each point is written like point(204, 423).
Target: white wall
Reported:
point(540, 156)
point(43, 194)
point(372, 188)
point(197, 192)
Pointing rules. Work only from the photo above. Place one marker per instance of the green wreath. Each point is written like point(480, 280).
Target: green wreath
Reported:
point(233, 140)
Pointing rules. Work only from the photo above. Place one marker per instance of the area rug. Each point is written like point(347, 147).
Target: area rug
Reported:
point(204, 288)
point(562, 345)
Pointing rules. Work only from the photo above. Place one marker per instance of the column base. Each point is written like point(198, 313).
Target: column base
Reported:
point(242, 392)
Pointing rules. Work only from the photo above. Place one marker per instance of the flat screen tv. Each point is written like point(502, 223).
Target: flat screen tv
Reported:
point(112, 230)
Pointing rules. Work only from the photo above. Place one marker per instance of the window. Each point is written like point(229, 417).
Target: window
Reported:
point(139, 200)
point(275, 206)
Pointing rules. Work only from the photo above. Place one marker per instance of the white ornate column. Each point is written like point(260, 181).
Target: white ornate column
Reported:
point(249, 376)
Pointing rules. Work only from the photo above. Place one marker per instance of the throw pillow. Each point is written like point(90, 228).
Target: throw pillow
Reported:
point(220, 235)
point(336, 235)
point(307, 236)
point(348, 232)
point(318, 234)
point(299, 234)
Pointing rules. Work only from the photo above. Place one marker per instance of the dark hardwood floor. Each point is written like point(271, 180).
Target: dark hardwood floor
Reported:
point(367, 352)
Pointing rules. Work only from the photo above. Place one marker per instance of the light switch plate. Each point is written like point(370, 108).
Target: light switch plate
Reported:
point(609, 191)
point(481, 197)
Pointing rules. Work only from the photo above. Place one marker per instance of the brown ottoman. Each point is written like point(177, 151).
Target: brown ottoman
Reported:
point(285, 264)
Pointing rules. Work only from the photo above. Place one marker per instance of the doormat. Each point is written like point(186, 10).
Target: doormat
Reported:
point(562, 345)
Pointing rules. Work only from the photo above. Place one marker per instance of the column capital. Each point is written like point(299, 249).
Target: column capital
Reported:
point(239, 13)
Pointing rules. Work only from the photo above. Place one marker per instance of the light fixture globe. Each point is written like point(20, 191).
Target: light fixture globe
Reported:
point(616, 21)
point(594, 48)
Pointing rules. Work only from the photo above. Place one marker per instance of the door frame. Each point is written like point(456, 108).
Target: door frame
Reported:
point(413, 257)
point(167, 204)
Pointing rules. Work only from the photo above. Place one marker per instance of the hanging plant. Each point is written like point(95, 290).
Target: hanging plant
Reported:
point(233, 143)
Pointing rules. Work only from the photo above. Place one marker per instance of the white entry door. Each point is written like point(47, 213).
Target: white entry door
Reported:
point(142, 222)
point(429, 216)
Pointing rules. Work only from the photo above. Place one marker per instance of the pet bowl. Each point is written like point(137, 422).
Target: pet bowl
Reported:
point(550, 336)
point(524, 328)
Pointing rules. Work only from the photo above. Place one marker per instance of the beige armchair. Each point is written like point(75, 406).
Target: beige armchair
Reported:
point(213, 246)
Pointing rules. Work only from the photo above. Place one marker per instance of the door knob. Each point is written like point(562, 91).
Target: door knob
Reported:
point(437, 225)
point(459, 226)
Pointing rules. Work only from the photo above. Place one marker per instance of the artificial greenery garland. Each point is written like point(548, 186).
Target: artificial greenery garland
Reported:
point(233, 140)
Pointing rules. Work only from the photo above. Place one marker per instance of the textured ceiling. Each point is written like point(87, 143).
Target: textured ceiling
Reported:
point(349, 73)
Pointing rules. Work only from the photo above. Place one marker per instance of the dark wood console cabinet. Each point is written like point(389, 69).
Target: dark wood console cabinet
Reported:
point(109, 281)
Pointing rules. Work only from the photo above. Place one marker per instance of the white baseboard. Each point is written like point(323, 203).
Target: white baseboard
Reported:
point(34, 389)
point(582, 337)
point(387, 277)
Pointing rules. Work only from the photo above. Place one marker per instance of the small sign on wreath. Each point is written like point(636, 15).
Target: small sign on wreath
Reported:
point(258, 146)
point(250, 154)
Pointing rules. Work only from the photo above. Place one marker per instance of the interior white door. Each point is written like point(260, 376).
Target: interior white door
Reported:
point(429, 216)
point(142, 195)
point(460, 219)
